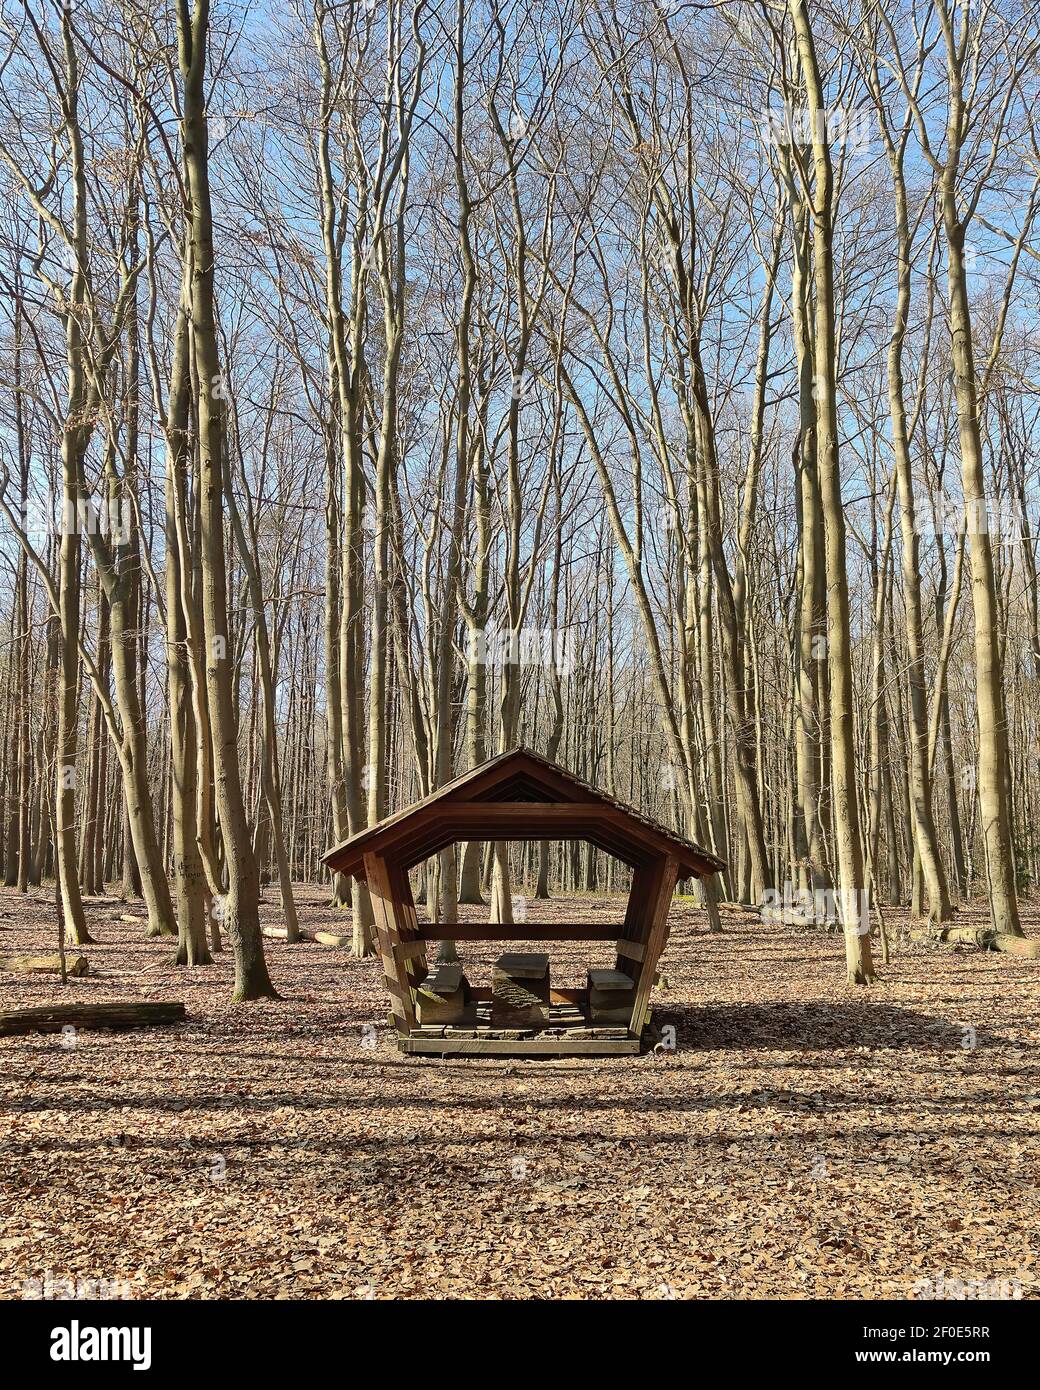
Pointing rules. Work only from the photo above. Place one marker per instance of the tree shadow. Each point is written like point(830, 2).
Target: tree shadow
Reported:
point(820, 1027)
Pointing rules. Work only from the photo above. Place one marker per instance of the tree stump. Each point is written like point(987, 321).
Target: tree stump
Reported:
point(520, 991)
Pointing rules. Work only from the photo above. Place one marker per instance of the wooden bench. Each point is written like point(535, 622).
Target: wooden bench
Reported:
point(443, 995)
point(520, 990)
point(611, 996)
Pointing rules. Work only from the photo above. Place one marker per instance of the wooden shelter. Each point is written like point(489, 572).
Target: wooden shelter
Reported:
point(519, 796)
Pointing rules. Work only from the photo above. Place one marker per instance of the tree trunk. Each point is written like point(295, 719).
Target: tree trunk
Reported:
point(241, 906)
point(847, 832)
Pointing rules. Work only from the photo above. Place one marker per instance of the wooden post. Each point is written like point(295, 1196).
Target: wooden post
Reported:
point(658, 903)
point(388, 936)
point(631, 945)
point(410, 949)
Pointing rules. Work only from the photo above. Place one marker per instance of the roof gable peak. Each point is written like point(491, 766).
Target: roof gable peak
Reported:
point(505, 783)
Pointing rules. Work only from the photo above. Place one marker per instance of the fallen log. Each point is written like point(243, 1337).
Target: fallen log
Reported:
point(792, 917)
point(329, 938)
point(985, 938)
point(52, 1018)
point(752, 908)
point(280, 934)
point(43, 965)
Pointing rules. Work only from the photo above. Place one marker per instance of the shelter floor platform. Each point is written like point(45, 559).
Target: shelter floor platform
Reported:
point(568, 1034)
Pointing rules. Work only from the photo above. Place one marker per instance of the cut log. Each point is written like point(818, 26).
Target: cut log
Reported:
point(52, 1018)
point(795, 917)
point(279, 934)
point(331, 938)
point(611, 996)
point(442, 997)
point(1027, 948)
point(43, 965)
point(520, 990)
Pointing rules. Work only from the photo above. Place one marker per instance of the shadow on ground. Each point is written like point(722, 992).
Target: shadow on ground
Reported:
point(818, 1027)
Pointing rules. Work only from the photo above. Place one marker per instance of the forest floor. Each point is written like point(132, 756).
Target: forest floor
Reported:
point(804, 1140)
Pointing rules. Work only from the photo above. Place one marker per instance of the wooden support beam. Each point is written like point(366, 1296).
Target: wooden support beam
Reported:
point(385, 908)
point(465, 820)
point(413, 962)
point(455, 822)
point(636, 927)
point(518, 931)
point(520, 811)
point(658, 904)
point(413, 950)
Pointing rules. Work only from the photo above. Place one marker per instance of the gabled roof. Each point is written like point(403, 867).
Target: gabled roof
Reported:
point(515, 796)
